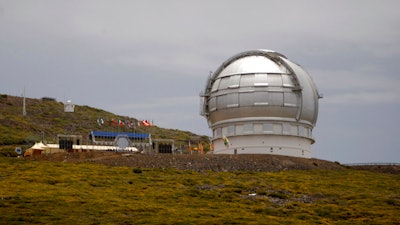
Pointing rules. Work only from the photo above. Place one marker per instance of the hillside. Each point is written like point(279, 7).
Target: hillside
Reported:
point(78, 192)
point(46, 117)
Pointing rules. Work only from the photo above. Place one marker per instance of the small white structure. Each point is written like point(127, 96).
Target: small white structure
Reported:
point(41, 148)
point(259, 102)
point(69, 107)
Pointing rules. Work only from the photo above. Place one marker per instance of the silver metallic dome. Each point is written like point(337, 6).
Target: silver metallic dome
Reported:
point(256, 96)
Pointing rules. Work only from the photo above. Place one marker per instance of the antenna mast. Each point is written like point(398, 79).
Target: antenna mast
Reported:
point(24, 105)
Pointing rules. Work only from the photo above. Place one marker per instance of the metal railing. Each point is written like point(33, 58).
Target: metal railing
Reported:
point(371, 164)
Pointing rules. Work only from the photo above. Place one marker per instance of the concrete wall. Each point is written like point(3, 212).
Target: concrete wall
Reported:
point(265, 144)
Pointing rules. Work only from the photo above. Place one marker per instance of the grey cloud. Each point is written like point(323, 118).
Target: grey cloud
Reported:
point(133, 57)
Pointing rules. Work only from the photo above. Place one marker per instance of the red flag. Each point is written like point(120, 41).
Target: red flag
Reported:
point(146, 123)
point(113, 122)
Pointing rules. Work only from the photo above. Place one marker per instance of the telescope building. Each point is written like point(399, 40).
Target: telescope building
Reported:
point(259, 102)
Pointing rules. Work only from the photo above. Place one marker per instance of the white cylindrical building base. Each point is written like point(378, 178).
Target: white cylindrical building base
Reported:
point(265, 144)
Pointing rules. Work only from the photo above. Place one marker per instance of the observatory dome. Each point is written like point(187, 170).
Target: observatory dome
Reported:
point(259, 102)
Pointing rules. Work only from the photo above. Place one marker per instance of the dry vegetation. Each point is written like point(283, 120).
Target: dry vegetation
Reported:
point(110, 188)
point(48, 117)
point(117, 188)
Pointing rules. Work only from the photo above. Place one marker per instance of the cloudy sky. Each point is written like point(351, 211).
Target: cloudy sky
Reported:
point(151, 59)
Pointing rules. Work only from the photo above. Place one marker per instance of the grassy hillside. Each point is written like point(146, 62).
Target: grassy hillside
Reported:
point(47, 117)
point(43, 192)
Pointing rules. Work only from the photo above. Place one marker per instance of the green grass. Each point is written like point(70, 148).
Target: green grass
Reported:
point(40, 192)
point(49, 117)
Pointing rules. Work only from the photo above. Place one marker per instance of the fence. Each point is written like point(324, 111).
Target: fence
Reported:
point(372, 164)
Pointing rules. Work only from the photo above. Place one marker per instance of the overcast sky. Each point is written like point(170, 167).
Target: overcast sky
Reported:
point(151, 59)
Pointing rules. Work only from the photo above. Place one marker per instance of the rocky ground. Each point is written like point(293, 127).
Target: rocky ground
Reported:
point(254, 163)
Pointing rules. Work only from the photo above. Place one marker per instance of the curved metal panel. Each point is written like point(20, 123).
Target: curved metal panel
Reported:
point(252, 64)
point(260, 92)
point(309, 109)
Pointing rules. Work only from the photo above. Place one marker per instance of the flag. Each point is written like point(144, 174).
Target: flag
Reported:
point(113, 122)
point(201, 149)
point(226, 141)
point(146, 123)
point(100, 121)
point(121, 123)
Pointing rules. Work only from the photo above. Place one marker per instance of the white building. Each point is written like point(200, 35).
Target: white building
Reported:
point(259, 102)
point(69, 106)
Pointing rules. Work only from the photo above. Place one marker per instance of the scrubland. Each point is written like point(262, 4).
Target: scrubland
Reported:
point(88, 192)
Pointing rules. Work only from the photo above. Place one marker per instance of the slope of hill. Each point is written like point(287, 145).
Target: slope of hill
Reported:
point(46, 118)
point(43, 192)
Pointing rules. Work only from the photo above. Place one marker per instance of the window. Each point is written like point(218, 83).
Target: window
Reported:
point(239, 129)
point(261, 98)
point(258, 128)
point(294, 130)
point(231, 130)
point(290, 99)
point(275, 98)
point(227, 101)
point(222, 101)
point(224, 83)
point(218, 132)
point(224, 131)
point(232, 100)
point(268, 127)
point(248, 128)
point(212, 104)
point(274, 80)
point(286, 128)
point(277, 128)
point(302, 131)
point(234, 81)
point(287, 80)
point(260, 80)
point(246, 99)
point(229, 82)
point(215, 85)
point(247, 80)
